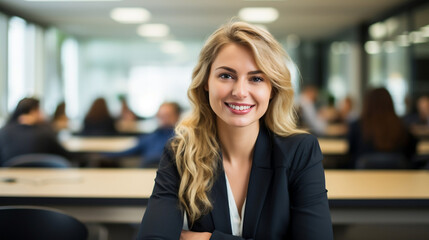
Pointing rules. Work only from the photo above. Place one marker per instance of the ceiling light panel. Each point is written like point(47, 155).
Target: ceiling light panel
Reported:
point(130, 15)
point(259, 15)
point(73, 0)
point(154, 30)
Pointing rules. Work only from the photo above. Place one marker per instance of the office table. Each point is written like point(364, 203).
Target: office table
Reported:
point(329, 146)
point(99, 144)
point(120, 195)
point(339, 146)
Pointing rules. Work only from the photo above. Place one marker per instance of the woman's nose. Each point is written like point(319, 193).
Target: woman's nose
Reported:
point(240, 89)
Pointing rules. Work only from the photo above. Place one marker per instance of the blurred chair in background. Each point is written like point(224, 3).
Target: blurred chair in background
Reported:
point(98, 121)
point(27, 132)
point(379, 132)
point(38, 160)
point(39, 224)
point(150, 146)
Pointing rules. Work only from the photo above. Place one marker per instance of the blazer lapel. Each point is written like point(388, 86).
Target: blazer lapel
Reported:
point(259, 182)
point(220, 213)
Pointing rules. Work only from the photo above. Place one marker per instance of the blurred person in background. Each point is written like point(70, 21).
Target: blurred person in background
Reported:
point(27, 132)
point(60, 121)
point(127, 120)
point(329, 112)
point(307, 111)
point(150, 146)
point(347, 111)
point(379, 130)
point(98, 121)
point(421, 117)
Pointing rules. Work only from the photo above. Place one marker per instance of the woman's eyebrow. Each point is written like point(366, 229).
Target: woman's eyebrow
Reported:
point(254, 72)
point(233, 71)
point(227, 68)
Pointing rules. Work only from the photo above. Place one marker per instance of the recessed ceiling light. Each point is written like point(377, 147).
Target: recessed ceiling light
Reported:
point(372, 47)
point(73, 0)
point(259, 15)
point(378, 30)
point(172, 47)
point(403, 40)
point(153, 30)
point(130, 15)
point(417, 37)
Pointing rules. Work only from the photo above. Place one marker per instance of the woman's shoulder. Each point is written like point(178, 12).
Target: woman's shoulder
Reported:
point(294, 140)
point(296, 150)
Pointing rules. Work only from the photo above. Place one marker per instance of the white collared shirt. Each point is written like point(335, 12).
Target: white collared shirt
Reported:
point(235, 218)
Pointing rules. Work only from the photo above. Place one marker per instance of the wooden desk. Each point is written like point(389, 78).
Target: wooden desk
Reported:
point(333, 146)
point(99, 144)
point(339, 146)
point(120, 195)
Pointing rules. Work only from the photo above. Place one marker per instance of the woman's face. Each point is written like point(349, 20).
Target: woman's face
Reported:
point(239, 92)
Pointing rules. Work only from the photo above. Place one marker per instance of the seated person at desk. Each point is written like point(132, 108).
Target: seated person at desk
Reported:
point(238, 168)
point(418, 121)
point(60, 121)
point(98, 121)
point(308, 113)
point(127, 120)
point(26, 132)
point(379, 130)
point(150, 146)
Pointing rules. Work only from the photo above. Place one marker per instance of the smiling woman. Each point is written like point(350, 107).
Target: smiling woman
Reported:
point(238, 168)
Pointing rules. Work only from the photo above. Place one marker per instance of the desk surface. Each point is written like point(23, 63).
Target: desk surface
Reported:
point(77, 183)
point(339, 146)
point(330, 146)
point(99, 144)
point(138, 184)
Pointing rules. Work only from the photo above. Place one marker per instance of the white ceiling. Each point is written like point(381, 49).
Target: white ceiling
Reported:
point(196, 19)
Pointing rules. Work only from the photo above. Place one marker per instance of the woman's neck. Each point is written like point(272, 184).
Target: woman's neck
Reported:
point(237, 142)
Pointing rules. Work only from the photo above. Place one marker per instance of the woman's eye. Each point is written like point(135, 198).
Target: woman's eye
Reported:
point(225, 76)
point(257, 79)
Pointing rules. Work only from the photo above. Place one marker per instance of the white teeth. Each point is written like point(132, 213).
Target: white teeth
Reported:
point(239, 108)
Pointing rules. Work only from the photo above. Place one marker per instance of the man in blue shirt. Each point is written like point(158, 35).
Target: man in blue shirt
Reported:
point(150, 146)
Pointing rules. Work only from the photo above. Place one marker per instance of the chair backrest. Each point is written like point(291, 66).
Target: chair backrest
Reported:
point(382, 160)
point(18, 222)
point(41, 160)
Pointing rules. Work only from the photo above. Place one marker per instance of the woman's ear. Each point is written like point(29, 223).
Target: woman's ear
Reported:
point(206, 87)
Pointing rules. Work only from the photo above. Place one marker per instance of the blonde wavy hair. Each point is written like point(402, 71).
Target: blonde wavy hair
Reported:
point(196, 146)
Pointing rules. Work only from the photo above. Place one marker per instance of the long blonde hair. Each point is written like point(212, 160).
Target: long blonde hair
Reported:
point(196, 144)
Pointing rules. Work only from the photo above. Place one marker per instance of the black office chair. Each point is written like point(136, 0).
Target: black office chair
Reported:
point(39, 160)
point(382, 160)
point(19, 222)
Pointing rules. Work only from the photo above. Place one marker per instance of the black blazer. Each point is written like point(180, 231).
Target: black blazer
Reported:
point(286, 196)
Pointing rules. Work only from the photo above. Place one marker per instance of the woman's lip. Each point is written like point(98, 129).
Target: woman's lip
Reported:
point(238, 104)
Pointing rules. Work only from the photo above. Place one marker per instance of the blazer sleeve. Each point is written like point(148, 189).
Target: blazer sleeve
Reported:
point(163, 218)
point(310, 215)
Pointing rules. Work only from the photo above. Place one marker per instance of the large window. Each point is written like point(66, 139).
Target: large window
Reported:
point(17, 61)
point(3, 67)
point(388, 55)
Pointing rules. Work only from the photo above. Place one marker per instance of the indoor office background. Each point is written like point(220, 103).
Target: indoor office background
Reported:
point(40, 58)
point(74, 51)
